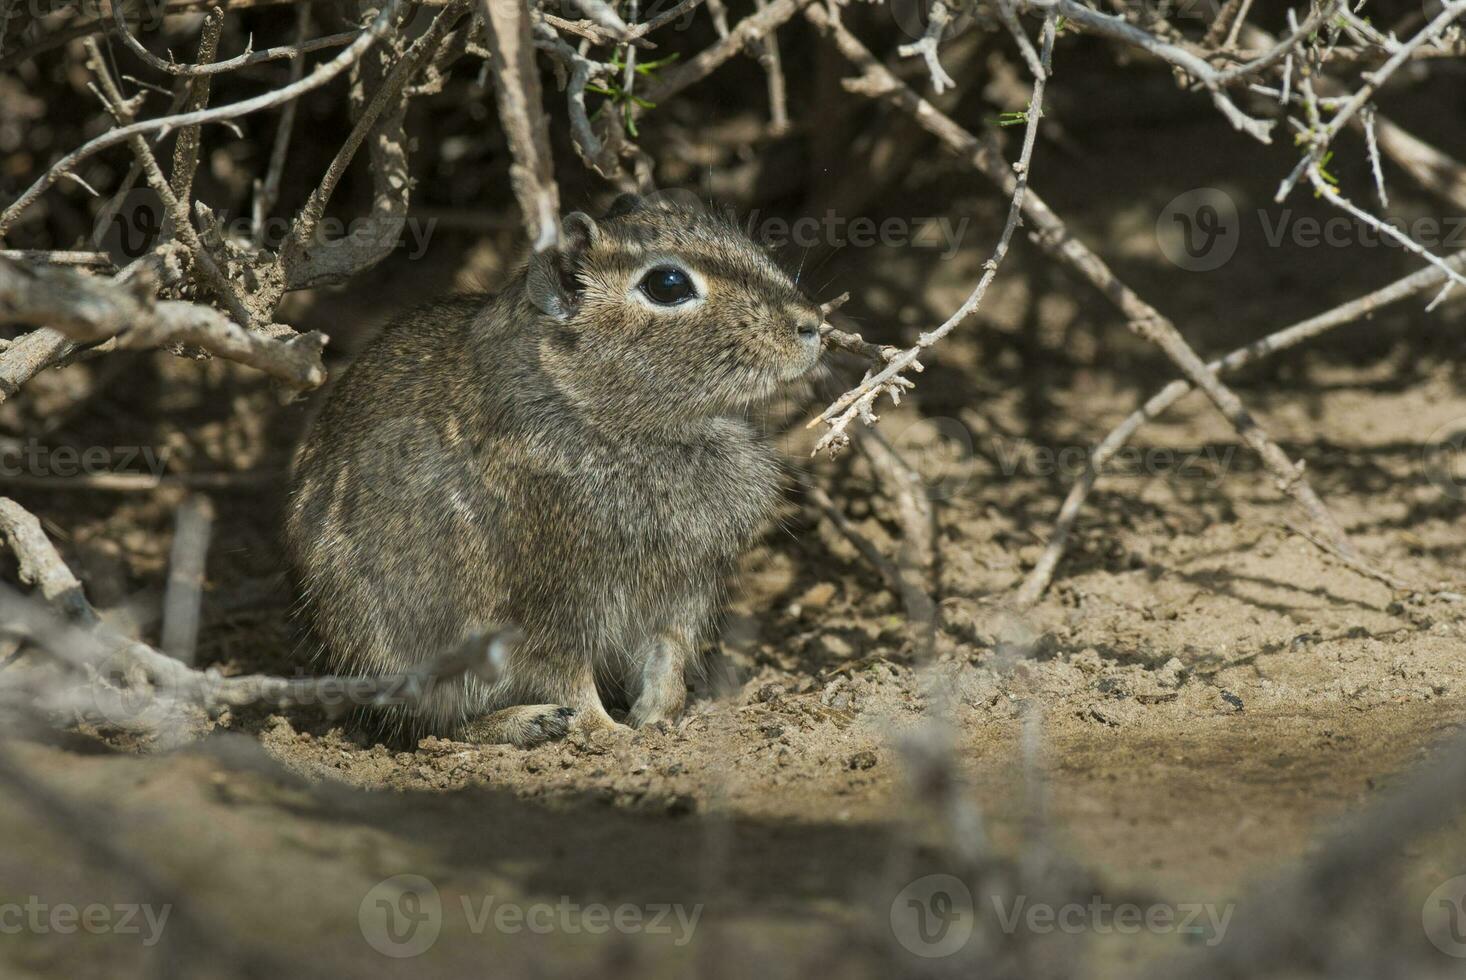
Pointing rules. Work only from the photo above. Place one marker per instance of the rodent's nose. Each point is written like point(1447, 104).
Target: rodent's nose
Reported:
point(808, 329)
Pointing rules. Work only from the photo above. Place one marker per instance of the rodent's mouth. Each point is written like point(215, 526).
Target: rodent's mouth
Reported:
point(799, 366)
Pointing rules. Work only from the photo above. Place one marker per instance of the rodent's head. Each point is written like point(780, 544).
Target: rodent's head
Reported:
point(661, 311)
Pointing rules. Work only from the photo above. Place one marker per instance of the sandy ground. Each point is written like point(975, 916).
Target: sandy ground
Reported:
point(1202, 699)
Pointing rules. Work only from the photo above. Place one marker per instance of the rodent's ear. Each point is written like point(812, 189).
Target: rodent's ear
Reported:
point(551, 279)
point(623, 205)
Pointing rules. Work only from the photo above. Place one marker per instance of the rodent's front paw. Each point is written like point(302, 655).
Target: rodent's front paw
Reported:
point(524, 725)
point(551, 722)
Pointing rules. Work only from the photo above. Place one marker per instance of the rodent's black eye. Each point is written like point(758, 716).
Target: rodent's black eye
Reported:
point(668, 285)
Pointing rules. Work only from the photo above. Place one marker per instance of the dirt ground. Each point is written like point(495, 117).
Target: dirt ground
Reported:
point(1199, 703)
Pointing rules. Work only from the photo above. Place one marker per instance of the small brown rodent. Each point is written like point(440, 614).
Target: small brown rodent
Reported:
point(567, 456)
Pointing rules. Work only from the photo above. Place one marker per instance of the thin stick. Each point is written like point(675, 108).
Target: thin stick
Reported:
point(1042, 573)
point(859, 401)
point(229, 292)
point(268, 190)
point(99, 259)
point(186, 148)
point(85, 645)
point(1118, 29)
point(1142, 318)
point(206, 66)
point(869, 551)
point(40, 566)
point(320, 76)
point(86, 309)
point(1319, 142)
point(308, 262)
point(517, 91)
point(183, 599)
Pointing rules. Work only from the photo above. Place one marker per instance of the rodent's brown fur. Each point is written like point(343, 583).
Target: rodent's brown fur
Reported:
point(564, 457)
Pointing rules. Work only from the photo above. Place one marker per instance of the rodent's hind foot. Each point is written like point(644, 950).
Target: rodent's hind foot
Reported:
point(524, 725)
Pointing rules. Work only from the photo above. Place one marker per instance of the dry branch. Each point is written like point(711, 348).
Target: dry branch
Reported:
point(1042, 573)
point(320, 76)
point(1118, 29)
point(307, 261)
point(858, 403)
point(29, 355)
point(1051, 233)
point(186, 148)
point(1320, 138)
point(40, 566)
point(509, 35)
point(159, 686)
point(85, 309)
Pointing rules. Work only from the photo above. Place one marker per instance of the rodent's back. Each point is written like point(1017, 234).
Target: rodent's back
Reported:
point(371, 457)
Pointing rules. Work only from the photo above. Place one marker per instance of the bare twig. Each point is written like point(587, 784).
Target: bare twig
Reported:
point(508, 33)
point(858, 403)
point(229, 292)
point(29, 354)
point(186, 148)
point(183, 599)
point(85, 309)
point(320, 76)
point(84, 645)
point(757, 25)
point(767, 52)
point(883, 565)
point(1118, 29)
point(40, 566)
point(42, 256)
point(1321, 137)
point(916, 554)
point(306, 260)
point(1042, 573)
point(267, 191)
point(205, 68)
point(1142, 318)
point(938, 18)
